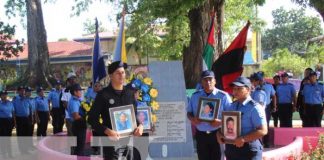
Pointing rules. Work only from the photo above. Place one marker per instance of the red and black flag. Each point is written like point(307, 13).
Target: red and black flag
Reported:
point(229, 65)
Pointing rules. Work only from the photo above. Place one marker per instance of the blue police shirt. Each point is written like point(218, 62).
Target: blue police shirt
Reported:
point(41, 104)
point(285, 93)
point(54, 97)
point(259, 96)
point(32, 103)
point(313, 93)
point(6, 109)
point(22, 106)
point(74, 106)
point(268, 88)
point(252, 115)
point(193, 106)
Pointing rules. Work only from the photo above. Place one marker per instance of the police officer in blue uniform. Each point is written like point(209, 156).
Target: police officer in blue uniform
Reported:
point(286, 101)
point(207, 145)
point(253, 124)
point(57, 112)
point(23, 109)
point(274, 114)
point(32, 116)
point(313, 98)
point(258, 94)
point(76, 113)
point(6, 123)
point(42, 109)
point(270, 95)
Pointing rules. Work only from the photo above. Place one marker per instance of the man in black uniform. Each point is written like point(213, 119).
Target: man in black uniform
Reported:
point(114, 95)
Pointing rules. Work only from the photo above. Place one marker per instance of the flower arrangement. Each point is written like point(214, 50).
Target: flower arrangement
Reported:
point(86, 106)
point(147, 93)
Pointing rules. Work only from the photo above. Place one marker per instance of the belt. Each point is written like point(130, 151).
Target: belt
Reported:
point(207, 132)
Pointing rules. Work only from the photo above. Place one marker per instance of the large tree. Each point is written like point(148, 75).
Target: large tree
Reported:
point(38, 72)
point(317, 4)
point(291, 29)
point(186, 24)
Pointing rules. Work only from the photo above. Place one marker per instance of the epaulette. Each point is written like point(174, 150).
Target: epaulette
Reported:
point(253, 102)
point(196, 92)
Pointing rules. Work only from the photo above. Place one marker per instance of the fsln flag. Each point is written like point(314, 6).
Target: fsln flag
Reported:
point(208, 54)
point(98, 63)
point(120, 49)
point(229, 65)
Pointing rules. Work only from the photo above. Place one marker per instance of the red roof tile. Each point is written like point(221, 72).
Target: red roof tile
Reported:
point(62, 49)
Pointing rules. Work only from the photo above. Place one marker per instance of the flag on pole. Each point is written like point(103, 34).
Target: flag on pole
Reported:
point(229, 65)
point(120, 49)
point(98, 63)
point(208, 54)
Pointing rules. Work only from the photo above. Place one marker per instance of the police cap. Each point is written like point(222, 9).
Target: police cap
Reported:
point(115, 65)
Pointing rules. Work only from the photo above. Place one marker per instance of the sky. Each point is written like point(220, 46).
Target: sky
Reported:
point(60, 24)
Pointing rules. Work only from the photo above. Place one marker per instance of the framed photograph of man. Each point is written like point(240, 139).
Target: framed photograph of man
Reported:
point(123, 119)
point(208, 108)
point(144, 117)
point(231, 125)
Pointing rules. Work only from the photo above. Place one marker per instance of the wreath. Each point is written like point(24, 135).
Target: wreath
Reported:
point(147, 93)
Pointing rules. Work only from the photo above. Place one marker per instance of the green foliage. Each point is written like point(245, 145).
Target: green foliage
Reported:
point(237, 13)
point(8, 46)
point(315, 55)
point(283, 59)
point(291, 29)
point(317, 4)
point(150, 17)
point(89, 27)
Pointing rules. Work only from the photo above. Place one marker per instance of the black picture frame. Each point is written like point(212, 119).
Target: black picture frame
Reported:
point(231, 125)
point(213, 104)
point(123, 119)
point(145, 113)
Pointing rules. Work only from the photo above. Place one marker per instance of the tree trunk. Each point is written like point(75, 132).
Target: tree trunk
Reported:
point(199, 21)
point(37, 73)
point(219, 8)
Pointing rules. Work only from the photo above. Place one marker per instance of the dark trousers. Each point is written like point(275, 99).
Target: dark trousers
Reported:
point(79, 129)
point(207, 146)
point(268, 116)
point(43, 122)
point(6, 126)
point(5, 134)
point(313, 115)
point(285, 114)
point(120, 148)
point(302, 115)
point(249, 151)
point(275, 117)
point(23, 129)
point(57, 120)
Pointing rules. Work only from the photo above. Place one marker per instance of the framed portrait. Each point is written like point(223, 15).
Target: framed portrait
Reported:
point(123, 119)
point(208, 108)
point(144, 117)
point(231, 125)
